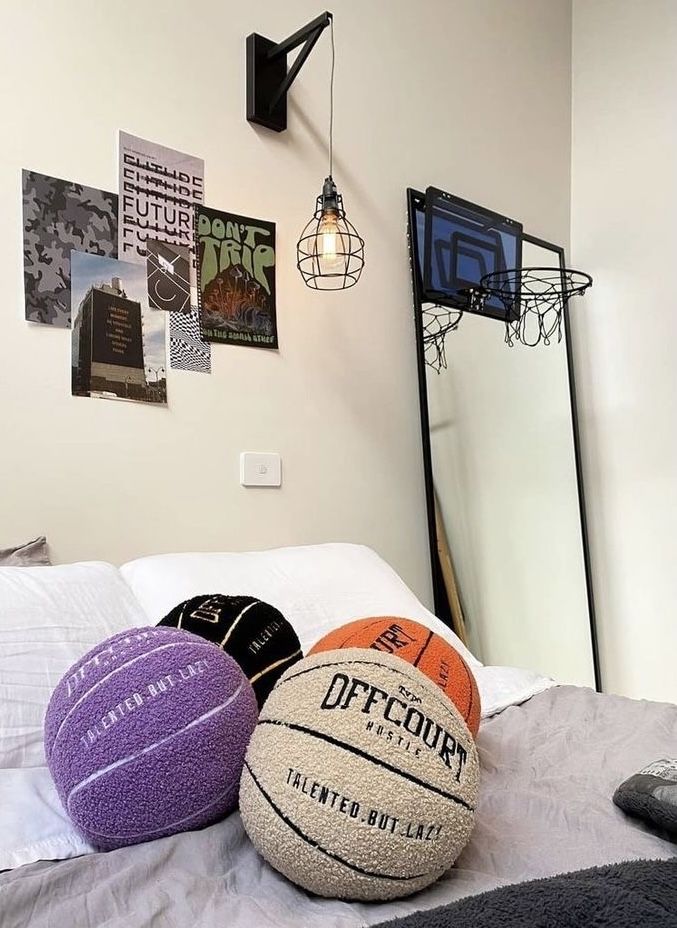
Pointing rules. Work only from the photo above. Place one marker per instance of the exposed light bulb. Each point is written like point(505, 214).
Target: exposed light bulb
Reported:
point(330, 253)
point(328, 239)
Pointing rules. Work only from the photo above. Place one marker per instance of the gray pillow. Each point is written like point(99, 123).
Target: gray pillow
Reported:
point(32, 554)
point(651, 794)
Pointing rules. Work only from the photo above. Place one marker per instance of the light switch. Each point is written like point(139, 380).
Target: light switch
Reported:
point(260, 469)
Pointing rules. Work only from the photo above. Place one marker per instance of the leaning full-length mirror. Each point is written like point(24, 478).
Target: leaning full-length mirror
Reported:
point(507, 529)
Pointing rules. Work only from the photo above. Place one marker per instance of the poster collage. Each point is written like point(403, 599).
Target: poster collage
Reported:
point(151, 266)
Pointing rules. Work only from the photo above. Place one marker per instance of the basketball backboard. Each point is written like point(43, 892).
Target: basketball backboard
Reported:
point(461, 243)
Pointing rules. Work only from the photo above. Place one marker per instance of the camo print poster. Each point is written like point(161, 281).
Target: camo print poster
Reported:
point(158, 190)
point(60, 216)
point(236, 278)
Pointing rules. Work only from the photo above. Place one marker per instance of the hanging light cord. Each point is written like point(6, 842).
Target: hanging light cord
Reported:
point(331, 101)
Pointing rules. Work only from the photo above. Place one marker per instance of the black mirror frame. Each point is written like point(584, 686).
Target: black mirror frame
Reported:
point(441, 604)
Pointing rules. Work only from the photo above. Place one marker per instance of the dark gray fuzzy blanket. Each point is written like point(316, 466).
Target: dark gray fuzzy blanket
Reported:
point(638, 893)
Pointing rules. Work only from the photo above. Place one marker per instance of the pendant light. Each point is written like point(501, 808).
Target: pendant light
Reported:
point(330, 252)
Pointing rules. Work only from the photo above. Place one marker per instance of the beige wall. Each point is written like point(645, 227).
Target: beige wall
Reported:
point(624, 233)
point(452, 93)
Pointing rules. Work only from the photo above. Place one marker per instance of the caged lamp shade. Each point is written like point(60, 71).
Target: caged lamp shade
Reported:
point(330, 252)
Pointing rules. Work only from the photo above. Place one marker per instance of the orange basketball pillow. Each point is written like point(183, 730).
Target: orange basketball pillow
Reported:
point(419, 646)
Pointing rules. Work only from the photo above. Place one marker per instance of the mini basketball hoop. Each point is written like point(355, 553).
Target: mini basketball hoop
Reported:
point(438, 321)
point(534, 299)
point(469, 260)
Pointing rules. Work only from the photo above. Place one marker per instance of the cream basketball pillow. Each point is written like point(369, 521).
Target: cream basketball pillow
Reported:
point(361, 778)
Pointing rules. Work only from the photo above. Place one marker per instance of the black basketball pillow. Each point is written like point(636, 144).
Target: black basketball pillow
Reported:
point(254, 633)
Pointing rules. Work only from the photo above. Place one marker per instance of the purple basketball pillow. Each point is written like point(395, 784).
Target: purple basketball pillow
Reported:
point(145, 736)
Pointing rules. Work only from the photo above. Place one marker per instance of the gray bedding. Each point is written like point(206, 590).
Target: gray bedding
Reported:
point(549, 770)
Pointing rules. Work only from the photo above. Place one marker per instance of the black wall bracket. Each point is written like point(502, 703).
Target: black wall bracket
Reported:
point(268, 79)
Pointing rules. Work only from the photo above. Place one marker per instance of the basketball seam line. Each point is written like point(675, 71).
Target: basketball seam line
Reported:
point(471, 680)
point(421, 652)
point(295, 828)
point(463, 665)
point(283, 660)
point(160, 647)
point(180, 821)
point(374, 760)
point(444, 701)
point(237, 619)
point(126, 760)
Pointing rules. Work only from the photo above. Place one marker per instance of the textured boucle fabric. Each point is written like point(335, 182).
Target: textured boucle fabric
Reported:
point(361, 778)
point(145, 736)
point(420, 646)
point(253, 632)
point(638, 893)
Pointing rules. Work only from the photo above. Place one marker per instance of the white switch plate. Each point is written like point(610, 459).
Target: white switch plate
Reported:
point(260, 469)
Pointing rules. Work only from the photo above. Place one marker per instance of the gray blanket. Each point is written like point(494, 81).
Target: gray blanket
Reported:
point(549, 770)
point(640, 892)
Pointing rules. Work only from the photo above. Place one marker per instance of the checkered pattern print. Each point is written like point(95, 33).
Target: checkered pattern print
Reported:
point(187, 350)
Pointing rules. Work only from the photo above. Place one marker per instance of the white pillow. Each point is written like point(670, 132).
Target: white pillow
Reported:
point(49, 617)
point(501, 687)
point(316, 587)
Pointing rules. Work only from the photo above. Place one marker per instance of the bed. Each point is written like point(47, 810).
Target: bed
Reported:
point(551, 757)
